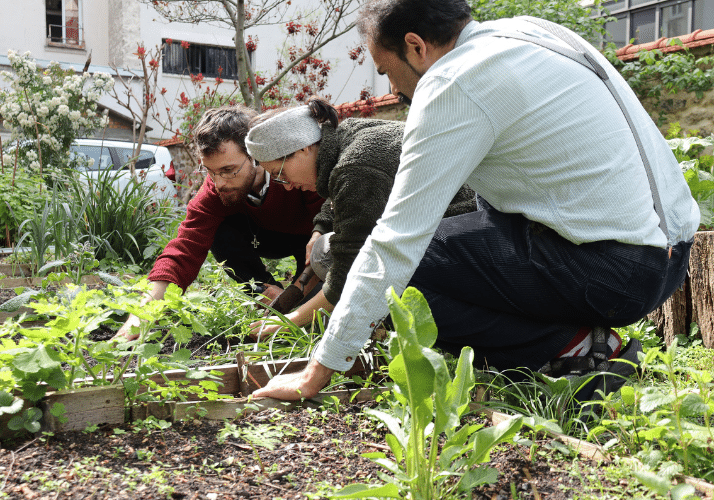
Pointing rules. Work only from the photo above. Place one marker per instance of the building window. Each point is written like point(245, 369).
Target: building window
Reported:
point(703, 14)
point(643, 26)
point(63, 23)
point(208, 60)
point(642, 21)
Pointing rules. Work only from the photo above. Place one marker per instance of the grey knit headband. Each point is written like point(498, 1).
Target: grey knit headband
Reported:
point(283, 134)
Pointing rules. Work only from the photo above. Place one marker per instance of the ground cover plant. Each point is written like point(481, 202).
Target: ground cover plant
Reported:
point(220, 309)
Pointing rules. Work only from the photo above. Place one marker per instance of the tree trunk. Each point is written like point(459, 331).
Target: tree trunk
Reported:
point(701, 269)
point(693, 302)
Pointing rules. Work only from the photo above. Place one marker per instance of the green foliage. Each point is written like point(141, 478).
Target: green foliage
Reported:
point(665, 424)
point(432, 404)
point(90, 219)
point(568, 13)
point(698, 169)
point(57, 355)
point(21, 194)
point(29, 420)
point(119, 224)
point(656, 76)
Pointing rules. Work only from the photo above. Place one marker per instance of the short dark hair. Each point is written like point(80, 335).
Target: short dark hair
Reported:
point(386, 22)
point(218, 125)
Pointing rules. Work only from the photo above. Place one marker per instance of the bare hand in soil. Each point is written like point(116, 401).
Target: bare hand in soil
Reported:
point(305, 384)
point(264, 328)
point(125, 331)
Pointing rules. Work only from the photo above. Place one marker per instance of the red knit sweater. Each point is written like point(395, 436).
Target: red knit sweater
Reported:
point(284, 211)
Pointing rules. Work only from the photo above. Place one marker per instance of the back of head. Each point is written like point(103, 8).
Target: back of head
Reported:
point(386, 22)
point(217, 125)
point(280, 132)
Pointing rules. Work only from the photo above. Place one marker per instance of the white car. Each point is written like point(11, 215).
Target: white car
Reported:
point(154, 164)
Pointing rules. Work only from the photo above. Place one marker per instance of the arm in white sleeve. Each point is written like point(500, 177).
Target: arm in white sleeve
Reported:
point(446, 136)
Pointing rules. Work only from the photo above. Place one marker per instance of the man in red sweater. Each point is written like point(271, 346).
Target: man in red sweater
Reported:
point(238, 214)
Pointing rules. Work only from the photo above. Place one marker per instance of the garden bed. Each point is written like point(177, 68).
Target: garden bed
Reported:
point(175, 452)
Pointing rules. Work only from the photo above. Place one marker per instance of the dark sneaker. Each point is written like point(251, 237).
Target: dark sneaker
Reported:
point(611, 379)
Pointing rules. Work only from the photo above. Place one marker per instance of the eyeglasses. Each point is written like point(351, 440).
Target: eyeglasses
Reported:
point(276, 178)
point(231, 174)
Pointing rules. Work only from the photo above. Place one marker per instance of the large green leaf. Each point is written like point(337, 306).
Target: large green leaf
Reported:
point(424, 325)
point(368, 491)
point(653, 399)
point(9, 404)
point(486, 439)
point(476, 477)
point(452, 396)
point(39, 358)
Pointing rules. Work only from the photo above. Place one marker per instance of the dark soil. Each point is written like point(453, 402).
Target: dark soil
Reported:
point(317, 450)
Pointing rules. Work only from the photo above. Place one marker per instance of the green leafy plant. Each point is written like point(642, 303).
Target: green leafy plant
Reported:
point(21, 194)
point(569, 13)
point(697, 168)
point(433, 404)
point(668, 422)
point(262, 435)
point(655, 75)
point(28, 420)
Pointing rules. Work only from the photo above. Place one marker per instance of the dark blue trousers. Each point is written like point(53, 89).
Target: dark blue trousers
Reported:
point(234, 244)
point(517, 292)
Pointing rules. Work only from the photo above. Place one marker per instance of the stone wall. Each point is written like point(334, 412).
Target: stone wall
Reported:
point(691, 112)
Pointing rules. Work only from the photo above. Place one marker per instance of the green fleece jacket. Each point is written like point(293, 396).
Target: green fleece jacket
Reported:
point(356, 166)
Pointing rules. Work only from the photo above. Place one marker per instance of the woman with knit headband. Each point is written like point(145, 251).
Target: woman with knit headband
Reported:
point(354, 165)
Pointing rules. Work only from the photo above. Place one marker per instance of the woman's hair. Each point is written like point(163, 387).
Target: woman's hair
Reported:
point(218, 125)
point(321, 110)
point(278, 133)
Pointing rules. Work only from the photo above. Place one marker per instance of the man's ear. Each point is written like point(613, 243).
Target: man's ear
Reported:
point(416, 46)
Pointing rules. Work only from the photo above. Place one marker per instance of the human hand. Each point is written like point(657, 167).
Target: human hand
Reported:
point(125, 333)
point(305, 384)
point(310, 244)
point(264, 328)
point(270, 293)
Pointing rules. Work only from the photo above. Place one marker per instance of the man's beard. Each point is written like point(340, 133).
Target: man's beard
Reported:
point(404, 99)
point(233, 196)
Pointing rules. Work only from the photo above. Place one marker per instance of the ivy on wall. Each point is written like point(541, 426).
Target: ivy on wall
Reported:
point(657, 76)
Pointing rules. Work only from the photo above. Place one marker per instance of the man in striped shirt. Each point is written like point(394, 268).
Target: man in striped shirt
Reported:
point(573, 237)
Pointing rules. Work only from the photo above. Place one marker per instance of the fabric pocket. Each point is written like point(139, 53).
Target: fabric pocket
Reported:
point(615, 307)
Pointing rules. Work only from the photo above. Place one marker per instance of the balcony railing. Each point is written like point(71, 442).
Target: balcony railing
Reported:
point(68, 35)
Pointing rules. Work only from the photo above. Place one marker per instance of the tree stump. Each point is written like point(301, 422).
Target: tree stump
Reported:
point(701, 270)
point(694, 301)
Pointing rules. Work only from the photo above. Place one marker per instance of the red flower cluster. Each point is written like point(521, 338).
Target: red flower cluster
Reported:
point(154, 64)
point(311, 29)
point(357, 53)
point(169, 41)
point(293, 28)
point(185, 44)
point(197, 78)
point(140, 52)
point(219, 80)
point(163, 90)
point(251, 44)
point(183, 100)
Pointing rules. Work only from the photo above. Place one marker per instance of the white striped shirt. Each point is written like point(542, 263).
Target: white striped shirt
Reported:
point(533, 133)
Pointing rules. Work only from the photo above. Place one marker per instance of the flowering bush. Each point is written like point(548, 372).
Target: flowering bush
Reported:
point(49, 107)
